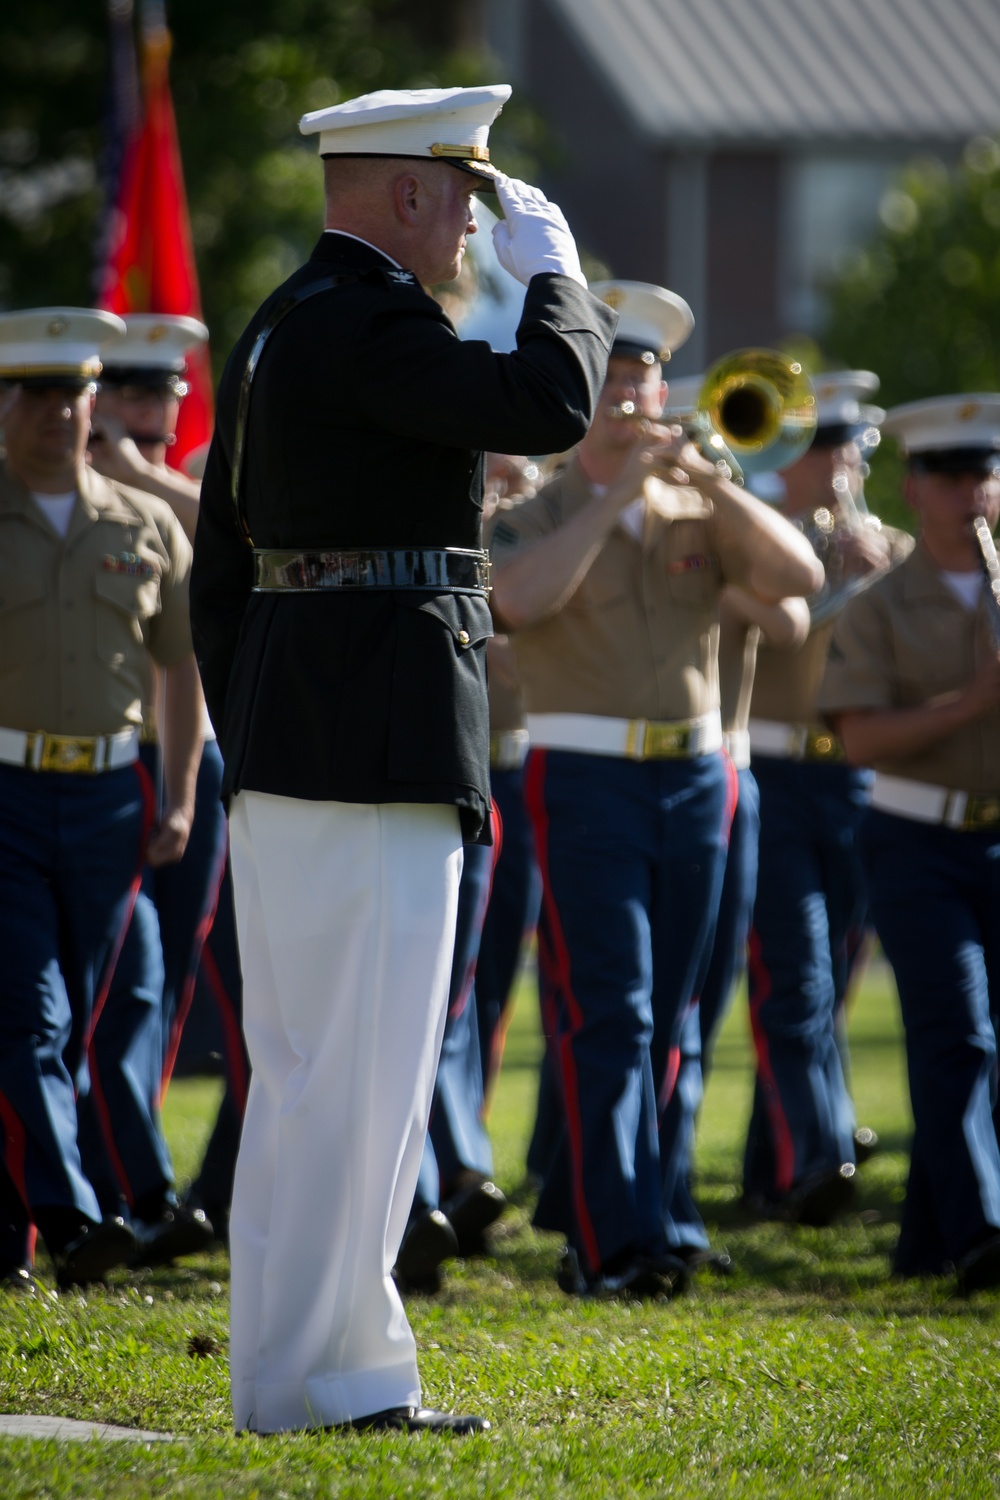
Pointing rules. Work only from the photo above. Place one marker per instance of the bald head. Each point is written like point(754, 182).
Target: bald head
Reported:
point(417, 211)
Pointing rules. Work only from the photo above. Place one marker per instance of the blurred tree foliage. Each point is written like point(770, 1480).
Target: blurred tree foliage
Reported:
point(242, 73)
point(920, 304)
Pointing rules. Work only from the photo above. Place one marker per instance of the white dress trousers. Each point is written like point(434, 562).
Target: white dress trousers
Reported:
point(346, 921)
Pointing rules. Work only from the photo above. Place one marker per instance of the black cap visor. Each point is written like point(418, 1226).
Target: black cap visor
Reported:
point(631, 349)
point(979, 460)
point(58, 381)
point(148, 377)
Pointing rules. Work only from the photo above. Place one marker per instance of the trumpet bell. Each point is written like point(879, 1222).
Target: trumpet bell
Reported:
point(763, 407)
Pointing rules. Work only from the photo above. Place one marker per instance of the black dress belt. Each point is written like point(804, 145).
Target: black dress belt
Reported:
point(456, 570)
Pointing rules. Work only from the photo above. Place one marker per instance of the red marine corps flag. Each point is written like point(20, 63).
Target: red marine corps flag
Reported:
point(148, 261)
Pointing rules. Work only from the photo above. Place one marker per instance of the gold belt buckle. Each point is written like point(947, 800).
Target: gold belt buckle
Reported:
point(664, 741)
point(821, 745)
point(981, 812)
point(61, 752)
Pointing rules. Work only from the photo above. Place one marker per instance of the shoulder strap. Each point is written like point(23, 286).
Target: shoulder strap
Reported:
point(278, 313)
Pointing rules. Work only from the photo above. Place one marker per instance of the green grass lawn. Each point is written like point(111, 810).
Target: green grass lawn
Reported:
point(805, 1373)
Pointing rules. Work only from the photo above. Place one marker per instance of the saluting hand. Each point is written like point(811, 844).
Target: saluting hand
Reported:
point(113, 453)
point(533, 236)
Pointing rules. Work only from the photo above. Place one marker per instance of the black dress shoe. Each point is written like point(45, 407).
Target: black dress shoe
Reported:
point(866, 1143)
point(428, 1242)
point(178, 1231)
point(416, 1419)
point(704, 1258)
point(93, 1253)
point(19, 1280)
point(979, 1269)
point(471, 1211)
point(632, 1277)
point(216, 1212)
point(818, 1202)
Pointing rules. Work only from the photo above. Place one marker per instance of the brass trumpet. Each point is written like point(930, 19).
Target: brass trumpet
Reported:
point(756, 410)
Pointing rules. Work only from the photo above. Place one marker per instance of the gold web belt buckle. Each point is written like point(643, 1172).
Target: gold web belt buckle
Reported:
point(821, 745)
point(62, 752)
point(981, 811)
point(651, 740)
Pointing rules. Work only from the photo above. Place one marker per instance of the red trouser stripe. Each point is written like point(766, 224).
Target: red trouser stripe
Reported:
point(100, 1102)
point(232, 1033)
point(732, 798)
point(554, 956)
point(14, 1147)
point(760, 992)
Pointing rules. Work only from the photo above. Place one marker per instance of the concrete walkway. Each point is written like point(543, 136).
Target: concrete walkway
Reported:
point(67, 1430)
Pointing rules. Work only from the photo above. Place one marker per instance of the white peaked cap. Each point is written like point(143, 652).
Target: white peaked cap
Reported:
point(946, 422)
point(651, 321)
point(156, 341)
point(66, 341)
point(447, 124)
point(841, 398)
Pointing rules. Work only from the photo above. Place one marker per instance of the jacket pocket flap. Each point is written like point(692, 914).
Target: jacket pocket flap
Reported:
point(467, 616)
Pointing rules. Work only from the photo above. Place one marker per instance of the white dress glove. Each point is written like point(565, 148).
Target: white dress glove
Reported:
point(533, 236)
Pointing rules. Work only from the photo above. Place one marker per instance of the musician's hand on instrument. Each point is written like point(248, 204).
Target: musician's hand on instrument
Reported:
point(649, 456)
point(533, 236)
point(863, 551)
point(689, 466)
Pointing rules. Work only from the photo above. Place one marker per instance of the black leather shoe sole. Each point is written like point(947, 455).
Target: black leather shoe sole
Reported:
point(416, 1419)
point(428, 1241)
point(471, 1213)
point(181, 1231)
point(95, 1252)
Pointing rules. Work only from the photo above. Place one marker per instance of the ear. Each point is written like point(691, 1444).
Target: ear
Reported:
point(407, 197)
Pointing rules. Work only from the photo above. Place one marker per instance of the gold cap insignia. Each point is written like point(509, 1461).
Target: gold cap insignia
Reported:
point(968, 411)
point(470, 153)
point(613, 298)
point(156, 334)
point(57, 328)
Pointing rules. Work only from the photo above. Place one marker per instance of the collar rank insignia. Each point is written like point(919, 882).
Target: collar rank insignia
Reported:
point(402, 278)
point(129, 563)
